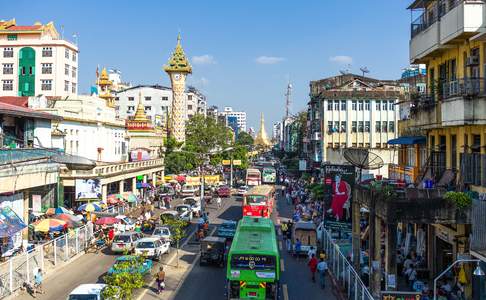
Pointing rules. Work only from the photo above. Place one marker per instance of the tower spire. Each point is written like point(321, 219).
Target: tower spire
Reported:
point(261, 139)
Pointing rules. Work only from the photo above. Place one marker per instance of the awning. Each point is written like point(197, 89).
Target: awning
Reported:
point(408, 140)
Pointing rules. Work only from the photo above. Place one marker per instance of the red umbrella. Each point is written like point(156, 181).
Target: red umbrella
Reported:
point(107, 221)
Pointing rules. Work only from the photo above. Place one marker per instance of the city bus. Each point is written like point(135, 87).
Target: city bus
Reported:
point(253, 269)
point(253, 177)
point(259, 201)
point(269, 175)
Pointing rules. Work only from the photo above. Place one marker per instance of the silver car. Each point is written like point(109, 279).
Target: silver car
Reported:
point(125, 241)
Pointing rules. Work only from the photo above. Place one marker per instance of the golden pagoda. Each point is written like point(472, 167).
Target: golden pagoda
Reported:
point(140, 121)
point(261, 140)
point(178, 62)
point(104, 83)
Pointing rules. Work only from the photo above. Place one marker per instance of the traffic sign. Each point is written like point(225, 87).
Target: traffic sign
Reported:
point(226, 162)
point(237, 162)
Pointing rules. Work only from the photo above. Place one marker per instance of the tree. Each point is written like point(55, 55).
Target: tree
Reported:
point(177, 231)
point(204, 134)
point(121, 283)
point(244, 138)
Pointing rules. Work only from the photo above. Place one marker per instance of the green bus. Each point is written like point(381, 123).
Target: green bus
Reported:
point(253, 269)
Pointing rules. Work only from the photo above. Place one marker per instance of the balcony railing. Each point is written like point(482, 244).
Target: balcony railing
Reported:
point(478, 236)
point(424, 21)
point(463, 87)
point(105, 170)
point(25, 154)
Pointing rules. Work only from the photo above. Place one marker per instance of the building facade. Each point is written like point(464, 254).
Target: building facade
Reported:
point(35, 60)
point(196, 102)
point(240, 116)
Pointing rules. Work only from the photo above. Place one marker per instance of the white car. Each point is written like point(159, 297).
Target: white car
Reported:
point(188, 191)
point(125, 224)
point(162, 233)
point(90, 291)
point(242, 190)
point(152, 247)
point(185, 212)
point(195, 205)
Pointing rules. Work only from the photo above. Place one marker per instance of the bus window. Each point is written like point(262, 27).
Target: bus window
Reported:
point(255, 199)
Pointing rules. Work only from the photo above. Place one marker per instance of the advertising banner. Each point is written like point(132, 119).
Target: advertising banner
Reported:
point(10, 223)
point(36, 203)
point(389, 295)
point(88, 189)
point(302, 165)
point(339, 183)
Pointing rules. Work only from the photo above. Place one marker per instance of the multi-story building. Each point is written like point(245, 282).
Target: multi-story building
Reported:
point(196, 102)
point(277, 133)
point(35, 60)
point(240, 116)
point(114, 76)
point(352, 111)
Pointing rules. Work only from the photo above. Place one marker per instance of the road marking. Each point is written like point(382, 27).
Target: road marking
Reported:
point(282, 265)
point(285, 292)
point(280, 245)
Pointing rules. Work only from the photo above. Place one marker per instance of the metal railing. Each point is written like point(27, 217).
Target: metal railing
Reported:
point(47, 256)
point(463, 87)
point(343, 271)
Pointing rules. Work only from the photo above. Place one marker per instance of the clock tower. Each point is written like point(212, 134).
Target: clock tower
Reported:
point(178, 67)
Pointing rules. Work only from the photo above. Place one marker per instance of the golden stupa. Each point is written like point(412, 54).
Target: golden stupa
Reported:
point(261, 140)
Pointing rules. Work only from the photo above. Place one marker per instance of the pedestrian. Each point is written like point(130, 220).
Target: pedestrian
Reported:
point(322, 269)
point(284, 228)
point(297, 248)
point(38, 282)
point(312, 252)
point(111, 235)
point(160, 278)
point(313, 267)
point(218, 202)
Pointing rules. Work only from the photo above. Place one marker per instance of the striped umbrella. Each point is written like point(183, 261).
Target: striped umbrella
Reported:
point(72, 221)
point(107, 221)
point(90, 207)
point(47, 225)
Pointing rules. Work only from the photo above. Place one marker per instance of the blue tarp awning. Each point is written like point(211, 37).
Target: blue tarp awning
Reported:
point(407, 140)
point(10, 223)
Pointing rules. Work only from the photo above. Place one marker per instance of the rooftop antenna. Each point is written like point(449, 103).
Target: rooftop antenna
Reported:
point(75, 37)
point(62, 32)
point(288, 94)
point(364, 70)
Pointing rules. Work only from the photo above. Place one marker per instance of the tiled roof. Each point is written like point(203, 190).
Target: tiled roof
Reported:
point(15, 100)
point(11, 109)
point(24, 28)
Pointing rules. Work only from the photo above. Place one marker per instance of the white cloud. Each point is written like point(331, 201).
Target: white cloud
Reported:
point(341, 59)
point(204, 81)
point(269, 60)
point(205, 59)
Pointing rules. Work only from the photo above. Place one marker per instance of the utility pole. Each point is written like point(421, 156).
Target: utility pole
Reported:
point(288, 94)
point(231, 171)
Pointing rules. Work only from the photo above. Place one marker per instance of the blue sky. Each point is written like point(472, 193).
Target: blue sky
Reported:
point(242, 52)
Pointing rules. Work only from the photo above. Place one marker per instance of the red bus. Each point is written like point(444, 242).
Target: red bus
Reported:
point(259, 201)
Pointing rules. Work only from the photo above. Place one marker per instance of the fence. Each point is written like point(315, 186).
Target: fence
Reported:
point(343, 271)
point(47, 256)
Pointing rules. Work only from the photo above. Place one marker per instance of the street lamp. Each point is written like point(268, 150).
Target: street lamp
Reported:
point(477, 272)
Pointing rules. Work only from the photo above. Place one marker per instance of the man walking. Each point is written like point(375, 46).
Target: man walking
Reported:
point(297, 248)
point(218, 202)
point(313, 267)
point(322, 269)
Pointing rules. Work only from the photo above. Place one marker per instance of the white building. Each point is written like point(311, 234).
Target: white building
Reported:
point(114, 76)
point(156, 99)
point(35, 60)
point(196, 102)
point(277, 132)
point(240, 116)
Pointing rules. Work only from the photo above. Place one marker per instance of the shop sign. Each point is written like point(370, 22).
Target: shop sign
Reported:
point(390, 295)
point(237, 162)
point(36, 203)
point(226, 162)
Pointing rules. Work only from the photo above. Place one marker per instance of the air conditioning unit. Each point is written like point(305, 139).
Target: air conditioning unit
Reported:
point(472, 61)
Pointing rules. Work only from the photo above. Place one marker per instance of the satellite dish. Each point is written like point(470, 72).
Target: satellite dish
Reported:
point(364, 70)
point(363, 159)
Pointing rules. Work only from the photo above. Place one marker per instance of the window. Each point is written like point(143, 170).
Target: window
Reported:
point(22, 71)
point(46, 68)
point(66, 70)
point(7, 69)
point(336, 126)
point(360, 145)
point(378, 126)
point(329, 127)
point(343, 126)
point(378, 105)
point(8, 52)
point(189, 97)
point(46, 85)
point(47, 52)
point(131, 98)
point(73, 72)
point(74, 56)
point(353, 145)
point(73, 87)
point(7, 85)
point(354, 124)
point(117, 98)
point(66, 86)
point(343, 145)
point(66, 53)
point(391, 126)
point(148, 98)
point(336, 105)
point(367, 126)
point(391, 105)
point(131, 108)
point(189, 107)
point(384, 105)
point(378, 145)
point(31, 71)
point(367, 105)
point(329, 145)
point(343, 105)
point(11, 37)
point(336, 145)
point(476, 143)
point(353, 105)
point(367, 145)
point(148, 108)
point(384, 145)
point(384, 127)
point(360, 126)
point(360, 105)
point(329, 105)
point(164, 98)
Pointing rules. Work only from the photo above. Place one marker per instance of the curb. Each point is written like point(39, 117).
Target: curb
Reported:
point(339, 293)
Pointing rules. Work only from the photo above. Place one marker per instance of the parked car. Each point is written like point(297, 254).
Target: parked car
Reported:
point(143, 269)
point(168, 215)
point(163, 233)
point(125, 241)
point(195, 205)
point(224, 191)
point(185, 212)
point(227, 229)
point(188, 191)
point(152, 247)
point(89, 291)
point(125, 224)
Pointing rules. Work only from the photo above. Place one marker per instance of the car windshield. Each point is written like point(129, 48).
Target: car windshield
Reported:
point(83, 297)
point(161, 231)
point(145, 245)
point(122, 238)
point(190, 201)
point(255, 199)
point(182, 209)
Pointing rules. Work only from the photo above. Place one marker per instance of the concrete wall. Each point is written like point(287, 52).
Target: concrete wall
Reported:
point(42, 133)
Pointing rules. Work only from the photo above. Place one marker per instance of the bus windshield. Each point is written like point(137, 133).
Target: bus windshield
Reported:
point(252, 262)
point(255, 199)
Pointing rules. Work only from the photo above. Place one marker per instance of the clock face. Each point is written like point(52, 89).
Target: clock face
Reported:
point(177, 76)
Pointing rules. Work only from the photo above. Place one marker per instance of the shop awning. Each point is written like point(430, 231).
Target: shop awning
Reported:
point(408, 140)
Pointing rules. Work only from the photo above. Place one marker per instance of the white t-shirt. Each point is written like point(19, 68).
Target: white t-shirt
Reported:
point(310, 252)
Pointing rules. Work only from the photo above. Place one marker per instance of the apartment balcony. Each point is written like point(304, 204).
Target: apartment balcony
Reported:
point(445, 22)
point(113, 169)
point(478, 228)
point(408, 174)
point(463, 102)
point(414, 205)
point(423, 112)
